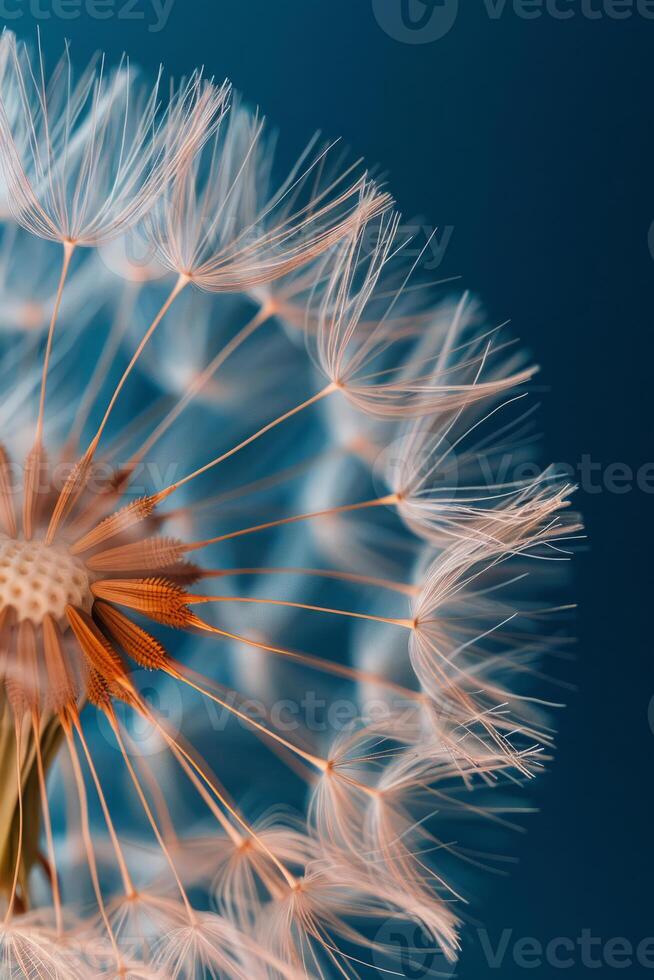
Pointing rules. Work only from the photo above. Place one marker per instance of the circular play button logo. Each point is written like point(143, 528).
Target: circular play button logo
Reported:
point(416, 21)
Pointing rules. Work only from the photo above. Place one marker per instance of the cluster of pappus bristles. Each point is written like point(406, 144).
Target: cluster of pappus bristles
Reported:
point(250, 461)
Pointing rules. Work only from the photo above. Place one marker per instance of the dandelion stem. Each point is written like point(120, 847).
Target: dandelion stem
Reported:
point(380, 583)
point(147, 809)
point(328, 390)
point(255, 486)
point(211, 804)
point(262, 316)
point(344, 509)
point(122, 864)
point(69, 248)
point(198, 599)
point(47, 823)
point(112, 342)
point(86, 832)
point(182, 754)
point(315, 663)
point(179, 286)
point(180, 673)
point(77, 479)
point(19, 850)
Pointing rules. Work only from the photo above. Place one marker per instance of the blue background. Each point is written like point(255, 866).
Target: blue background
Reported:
point(534, 140)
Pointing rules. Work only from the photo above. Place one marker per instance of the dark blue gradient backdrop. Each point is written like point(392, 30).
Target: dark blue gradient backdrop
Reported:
point(529, 141)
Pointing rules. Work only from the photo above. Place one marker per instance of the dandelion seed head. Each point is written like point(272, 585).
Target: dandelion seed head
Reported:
point(39, 580)
point(266, 619)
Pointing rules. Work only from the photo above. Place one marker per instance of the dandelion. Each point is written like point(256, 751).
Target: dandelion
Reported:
point(86, 159)
point(215, 227)
point(208, 506)
point(359, 362)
